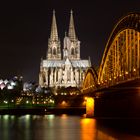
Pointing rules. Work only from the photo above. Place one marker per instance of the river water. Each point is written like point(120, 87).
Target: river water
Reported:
point(62, 127)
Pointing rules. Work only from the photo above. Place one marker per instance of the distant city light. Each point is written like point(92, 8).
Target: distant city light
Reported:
point(5, 102)
point(10, 87)
point(27, 102)
point(9, 84)
point(38, 89)
point(45, 91)
point(5, 81)
point(13, 83)
point(1, 81)
point(2, 86)
point(51, 101)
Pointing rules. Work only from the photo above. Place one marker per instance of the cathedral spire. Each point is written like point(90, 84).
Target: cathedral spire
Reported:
point(54, 51)
point(54, 33)
point(71, 32)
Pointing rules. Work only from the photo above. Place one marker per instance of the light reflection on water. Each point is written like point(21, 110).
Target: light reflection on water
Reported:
point(88, 129)
point(51, 127)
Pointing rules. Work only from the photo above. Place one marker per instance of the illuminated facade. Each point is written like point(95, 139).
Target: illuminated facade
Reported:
point(66, 69)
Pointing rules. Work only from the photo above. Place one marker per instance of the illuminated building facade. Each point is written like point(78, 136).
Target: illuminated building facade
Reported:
point(63, 69)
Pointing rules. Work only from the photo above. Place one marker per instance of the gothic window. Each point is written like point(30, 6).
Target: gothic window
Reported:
point(69, 74)
point(56, 75)
point(76, 50)
point(49, 50)
point(44, 79)
point(58, 50)
point(54, 51)
point(72, 51)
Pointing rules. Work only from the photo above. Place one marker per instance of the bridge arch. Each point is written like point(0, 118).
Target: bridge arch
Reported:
point(90, 81)
point(121, 58)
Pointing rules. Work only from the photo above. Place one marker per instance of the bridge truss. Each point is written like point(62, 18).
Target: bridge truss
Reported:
point(121, 58)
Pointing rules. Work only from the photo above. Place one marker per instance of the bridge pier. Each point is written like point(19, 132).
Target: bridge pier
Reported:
point(89, 107)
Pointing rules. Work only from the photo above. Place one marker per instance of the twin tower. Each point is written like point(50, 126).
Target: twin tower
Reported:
point(67, 70)
point(71, 45)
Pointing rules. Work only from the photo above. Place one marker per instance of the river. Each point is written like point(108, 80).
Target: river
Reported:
point(62, 127)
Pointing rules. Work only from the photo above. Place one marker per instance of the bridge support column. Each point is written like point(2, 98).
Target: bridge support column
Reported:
point(90, 107)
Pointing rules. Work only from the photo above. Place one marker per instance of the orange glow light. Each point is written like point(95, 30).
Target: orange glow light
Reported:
point(90, 107)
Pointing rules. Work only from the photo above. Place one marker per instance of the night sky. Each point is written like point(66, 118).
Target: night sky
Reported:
point(25, 28)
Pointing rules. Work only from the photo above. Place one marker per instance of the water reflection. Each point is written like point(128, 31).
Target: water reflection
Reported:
point(88, 129)
point(51, 127)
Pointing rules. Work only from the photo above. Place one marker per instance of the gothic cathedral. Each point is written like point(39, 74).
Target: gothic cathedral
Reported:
point(66, 69)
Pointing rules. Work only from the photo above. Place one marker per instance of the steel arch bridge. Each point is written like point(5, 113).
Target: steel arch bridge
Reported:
point(121, 58)
point(90, 83)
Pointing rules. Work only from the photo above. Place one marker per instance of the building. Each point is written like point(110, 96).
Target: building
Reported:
point(63, 69)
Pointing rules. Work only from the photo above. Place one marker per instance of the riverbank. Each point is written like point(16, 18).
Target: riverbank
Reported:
point(44, 110)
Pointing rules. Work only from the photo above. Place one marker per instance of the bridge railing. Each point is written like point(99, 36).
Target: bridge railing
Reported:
point(135, 74)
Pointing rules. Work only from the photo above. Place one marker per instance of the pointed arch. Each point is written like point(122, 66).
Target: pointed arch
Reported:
point(121, 59)
point(72, 51)
point(54, 51)
point(90, 81)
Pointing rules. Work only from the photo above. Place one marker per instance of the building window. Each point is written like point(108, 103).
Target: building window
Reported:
point(72, 51)
point(54, 51)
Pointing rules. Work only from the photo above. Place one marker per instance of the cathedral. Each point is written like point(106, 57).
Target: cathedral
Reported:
point(66, 68)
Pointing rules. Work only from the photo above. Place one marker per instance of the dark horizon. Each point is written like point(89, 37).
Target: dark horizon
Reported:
point(25, 29)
